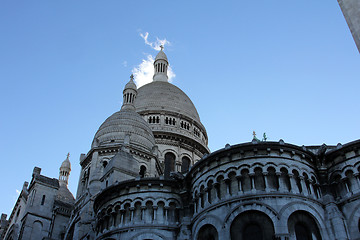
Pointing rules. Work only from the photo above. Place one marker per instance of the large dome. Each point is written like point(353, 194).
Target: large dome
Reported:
point(125, 127)
point(159, 96)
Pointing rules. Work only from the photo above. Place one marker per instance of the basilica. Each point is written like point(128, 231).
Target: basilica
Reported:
point(149, 175)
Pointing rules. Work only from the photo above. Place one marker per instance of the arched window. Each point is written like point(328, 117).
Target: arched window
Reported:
point(142, 171)
point(185, 164)
point(252, 225)
point(208, 232)
point(105, 163)
point(169, 164)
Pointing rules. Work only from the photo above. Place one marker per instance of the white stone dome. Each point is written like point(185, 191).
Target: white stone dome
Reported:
point(159, 96)
point(161, 55)
point(125, 127)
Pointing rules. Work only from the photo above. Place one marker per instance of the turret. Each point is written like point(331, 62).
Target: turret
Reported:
point(65, 170)
point(161, 66)
point(129, 94)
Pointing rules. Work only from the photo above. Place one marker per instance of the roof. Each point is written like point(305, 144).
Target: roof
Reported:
point(163, 96)
point(125, 126)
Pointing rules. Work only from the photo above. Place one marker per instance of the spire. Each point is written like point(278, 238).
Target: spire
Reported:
point(161, 66)
point(129, 94)
point(65, 170)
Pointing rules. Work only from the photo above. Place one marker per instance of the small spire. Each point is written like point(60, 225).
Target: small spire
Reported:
point(129, 94)
point(67, 156)
point(161, 47)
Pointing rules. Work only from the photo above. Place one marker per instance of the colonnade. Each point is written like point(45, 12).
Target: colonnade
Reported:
point(236, 183)
point(122, 215)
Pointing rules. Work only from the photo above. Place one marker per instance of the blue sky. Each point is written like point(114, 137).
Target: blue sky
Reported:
point(287, 68)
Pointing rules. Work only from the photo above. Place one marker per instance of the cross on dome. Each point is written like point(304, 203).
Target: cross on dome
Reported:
point(161, 47)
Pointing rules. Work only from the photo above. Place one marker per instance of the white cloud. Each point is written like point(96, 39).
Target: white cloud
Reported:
point(144, 72)
point(18, 192)
point(154, 45)
point(124, 63)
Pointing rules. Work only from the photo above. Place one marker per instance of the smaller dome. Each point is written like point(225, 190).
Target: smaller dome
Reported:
point(131, 84)
point(66, 163)
point(125, 127)
point(161, 56)
point(64, 195)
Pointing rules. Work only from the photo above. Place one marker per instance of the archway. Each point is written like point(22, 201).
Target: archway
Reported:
point(302, 226)
point(208, 232)
point(252, 225)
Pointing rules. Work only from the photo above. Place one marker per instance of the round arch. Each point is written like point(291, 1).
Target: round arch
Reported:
point(207, 232)
point(316, 213)
point(301, 225)
point(252, 225)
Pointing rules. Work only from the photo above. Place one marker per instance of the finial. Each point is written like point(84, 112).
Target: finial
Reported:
point(67, 156)
point(254, 134)
point(162, 47)
point(132, 77)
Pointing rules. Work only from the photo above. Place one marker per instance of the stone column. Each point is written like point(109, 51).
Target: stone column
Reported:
point(217, 188)
point(166, 209)
point(132, 214)
point(282, 186)
point(294, 187)
point(265, 174)
point(209, 189)
point(227, 184)
point(112, 219)
point(346, 184)
point(238, 178)
point(311, 182)
point(196, 201)
point(155, 213)
point(205, 196)
point(252, 182)
point(122, 217)
point(143, 213)
point(303, 186)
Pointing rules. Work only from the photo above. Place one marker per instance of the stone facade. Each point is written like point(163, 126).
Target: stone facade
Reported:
point(351, 11)
point(149, 175)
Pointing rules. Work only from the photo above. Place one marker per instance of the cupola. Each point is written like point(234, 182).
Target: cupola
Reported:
point(129, 94)
point(65, 170)
point(161, 66)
